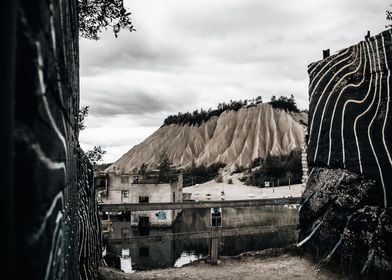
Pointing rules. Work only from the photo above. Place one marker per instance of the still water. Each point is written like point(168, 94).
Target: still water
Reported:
point(144, 256)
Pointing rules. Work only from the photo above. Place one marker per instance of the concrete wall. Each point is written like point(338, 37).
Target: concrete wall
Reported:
point(155, 193)
point(56, 232)
point(346, 216)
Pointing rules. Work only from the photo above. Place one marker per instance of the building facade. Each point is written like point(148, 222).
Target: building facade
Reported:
point(128, 188)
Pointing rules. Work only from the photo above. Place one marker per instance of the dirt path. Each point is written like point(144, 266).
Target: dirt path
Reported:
point(244, 268)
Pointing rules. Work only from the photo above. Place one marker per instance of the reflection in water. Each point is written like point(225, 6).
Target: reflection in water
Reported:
point(126, 261)
point(146, 256)
point(186, 258)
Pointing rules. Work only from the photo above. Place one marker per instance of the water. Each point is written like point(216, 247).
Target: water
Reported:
point(126, 261)
point(144, 256)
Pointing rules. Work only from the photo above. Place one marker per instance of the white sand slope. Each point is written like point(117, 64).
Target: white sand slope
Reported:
point(233, 137)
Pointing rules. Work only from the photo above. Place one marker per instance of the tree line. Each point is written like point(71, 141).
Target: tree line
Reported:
point(200, 174)
point(199, 116)
point(167, 172)
point(287, 104)
point(285, 169)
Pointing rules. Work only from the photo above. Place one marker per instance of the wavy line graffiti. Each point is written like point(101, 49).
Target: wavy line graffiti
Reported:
point(349, 111)
point(345, 215)
point(57, 228)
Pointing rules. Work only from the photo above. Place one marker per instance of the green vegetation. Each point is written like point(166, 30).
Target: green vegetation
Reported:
point(201, 174)
point(285, 103)
point(83, 113)
point(197, 117)
point(239, 169)
point(165, 168)
point(95, 15)
point(166, 172)
point(95, 155)
point(280, 170)
point(219, 178)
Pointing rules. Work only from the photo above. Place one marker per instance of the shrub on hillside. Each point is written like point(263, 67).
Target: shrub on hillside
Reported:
point(282, 170)
point(201, 174)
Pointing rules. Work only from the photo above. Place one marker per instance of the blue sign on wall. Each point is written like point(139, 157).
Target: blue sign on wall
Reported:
point(161, 215)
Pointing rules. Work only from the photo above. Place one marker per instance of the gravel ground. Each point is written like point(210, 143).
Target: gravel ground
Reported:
point(248, 266)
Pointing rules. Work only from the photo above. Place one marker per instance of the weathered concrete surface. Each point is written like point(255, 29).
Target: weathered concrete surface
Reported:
point(56, 233)
point(345, 217)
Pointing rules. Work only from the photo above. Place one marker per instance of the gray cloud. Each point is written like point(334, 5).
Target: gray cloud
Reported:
point(137, 103)
point(188, 55)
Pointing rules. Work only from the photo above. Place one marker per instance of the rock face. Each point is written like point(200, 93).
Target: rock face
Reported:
point(233, 137)
point(56, 231)
point(345, 216)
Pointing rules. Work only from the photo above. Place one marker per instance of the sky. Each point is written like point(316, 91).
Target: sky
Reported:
point(187, 55)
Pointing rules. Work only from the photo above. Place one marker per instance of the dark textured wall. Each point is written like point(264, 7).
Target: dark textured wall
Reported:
point(345, 216)
point(350, 111)
point(56, 233)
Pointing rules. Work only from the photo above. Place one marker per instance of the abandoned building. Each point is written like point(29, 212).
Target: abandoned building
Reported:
point(115, 188)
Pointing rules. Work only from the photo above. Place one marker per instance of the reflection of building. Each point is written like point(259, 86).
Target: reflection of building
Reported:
point(127, 188)
point(149, 255)
point(144, 255)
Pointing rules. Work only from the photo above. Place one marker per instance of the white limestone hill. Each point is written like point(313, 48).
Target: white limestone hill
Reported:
point(235, 137)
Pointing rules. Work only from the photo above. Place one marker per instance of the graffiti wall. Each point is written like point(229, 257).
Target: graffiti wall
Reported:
point(350, 111)
point(345, 216)
point(56, 228)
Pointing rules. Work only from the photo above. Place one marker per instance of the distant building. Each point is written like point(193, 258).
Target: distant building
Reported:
point(134, 188)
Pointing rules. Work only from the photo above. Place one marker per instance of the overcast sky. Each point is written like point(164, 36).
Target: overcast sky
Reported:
point(187, 55)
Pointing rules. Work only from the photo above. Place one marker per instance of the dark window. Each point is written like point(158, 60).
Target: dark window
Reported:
point(174, 196)
point(216, 217)
point(125, 193)
point(144, 225)
point(143, 199)
point(144, 252)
